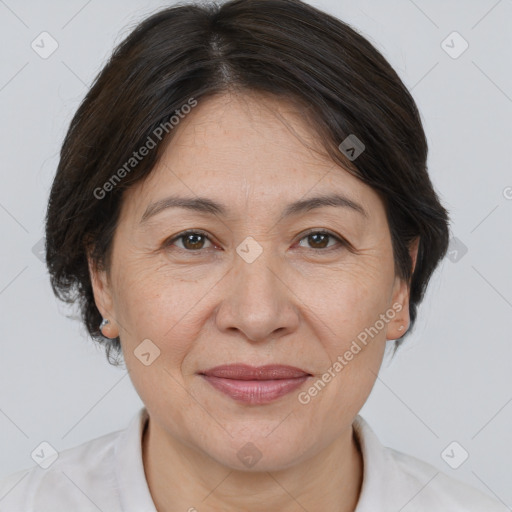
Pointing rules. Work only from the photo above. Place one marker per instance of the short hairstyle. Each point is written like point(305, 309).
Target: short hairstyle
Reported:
point(284, 48)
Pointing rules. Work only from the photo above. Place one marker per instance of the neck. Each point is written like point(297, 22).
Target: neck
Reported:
point(182, 478)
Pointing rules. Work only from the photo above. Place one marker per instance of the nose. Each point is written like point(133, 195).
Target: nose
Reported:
point(257, 300)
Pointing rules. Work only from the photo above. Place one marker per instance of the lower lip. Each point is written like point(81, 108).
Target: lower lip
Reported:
point(255, 391)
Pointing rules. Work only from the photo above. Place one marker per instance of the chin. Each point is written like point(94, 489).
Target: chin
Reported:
point(255, 451)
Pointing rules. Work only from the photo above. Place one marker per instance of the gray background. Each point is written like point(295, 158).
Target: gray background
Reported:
point(452, 380)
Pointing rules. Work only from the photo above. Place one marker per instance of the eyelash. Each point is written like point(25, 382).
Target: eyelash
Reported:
point(203, 233)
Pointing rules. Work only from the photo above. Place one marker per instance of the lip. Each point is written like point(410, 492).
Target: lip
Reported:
point(255, 385)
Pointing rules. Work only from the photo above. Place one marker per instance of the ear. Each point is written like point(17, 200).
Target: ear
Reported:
point(400, 300)
point(103, 297)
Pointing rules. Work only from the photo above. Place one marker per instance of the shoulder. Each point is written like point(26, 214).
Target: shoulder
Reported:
point(437, 489)
point(73, 481)
point(393, 480)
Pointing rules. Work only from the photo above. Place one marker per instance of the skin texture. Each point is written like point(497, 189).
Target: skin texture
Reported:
point(301, 302)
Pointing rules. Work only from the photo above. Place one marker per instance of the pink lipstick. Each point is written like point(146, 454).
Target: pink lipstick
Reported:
point(255, 385)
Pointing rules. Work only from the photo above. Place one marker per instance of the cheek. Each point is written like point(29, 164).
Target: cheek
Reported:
point(352, 333)
point(353, 337)
point(151, 304)
point(347, 299)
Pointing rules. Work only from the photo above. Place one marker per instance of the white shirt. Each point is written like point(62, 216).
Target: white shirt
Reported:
point(107, 474)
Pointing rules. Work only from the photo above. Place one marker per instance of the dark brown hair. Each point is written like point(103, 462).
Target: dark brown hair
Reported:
point(284, 48)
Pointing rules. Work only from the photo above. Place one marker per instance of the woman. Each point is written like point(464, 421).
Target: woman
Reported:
point(243, 212)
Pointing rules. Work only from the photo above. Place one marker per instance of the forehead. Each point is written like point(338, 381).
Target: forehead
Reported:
point(235, 147)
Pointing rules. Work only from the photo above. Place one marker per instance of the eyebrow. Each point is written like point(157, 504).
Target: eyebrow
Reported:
point(208, 206)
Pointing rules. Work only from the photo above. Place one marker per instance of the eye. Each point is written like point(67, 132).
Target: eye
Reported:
point(192, 240)
point(320, 239)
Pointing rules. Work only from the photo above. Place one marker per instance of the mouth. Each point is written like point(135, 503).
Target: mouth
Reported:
point(255, 385)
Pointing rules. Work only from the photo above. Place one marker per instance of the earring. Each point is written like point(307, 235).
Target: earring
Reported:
point(104, 322)
point(401, 328)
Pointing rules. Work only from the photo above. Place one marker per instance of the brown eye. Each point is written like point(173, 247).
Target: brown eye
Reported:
point(190, 240)
point(320, 239)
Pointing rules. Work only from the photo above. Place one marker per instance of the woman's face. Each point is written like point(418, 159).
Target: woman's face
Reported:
point(257, 284)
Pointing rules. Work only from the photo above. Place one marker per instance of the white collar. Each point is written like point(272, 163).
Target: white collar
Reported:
point(134, 491)
point(382, 479)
